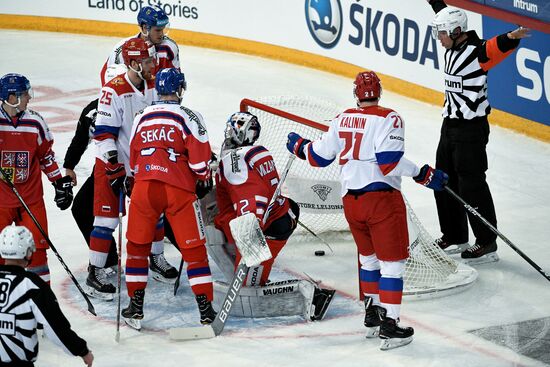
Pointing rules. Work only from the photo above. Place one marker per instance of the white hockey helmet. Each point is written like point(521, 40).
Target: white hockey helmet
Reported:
point(448, 20)
point(114, 70)
point(242, 128)
point(16, 242)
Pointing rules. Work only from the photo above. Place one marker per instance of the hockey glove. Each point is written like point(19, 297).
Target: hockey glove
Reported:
point(296, 144)
point(434, 179)
point(129, 185)
point(204, 187)
point(117, 175)
point(63, 192)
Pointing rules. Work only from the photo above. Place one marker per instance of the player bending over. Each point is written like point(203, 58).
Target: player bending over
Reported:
point(169, 154)
point(245, 182)
point(369, 143)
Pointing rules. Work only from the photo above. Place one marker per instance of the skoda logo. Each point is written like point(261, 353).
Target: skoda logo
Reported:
point(324, 21)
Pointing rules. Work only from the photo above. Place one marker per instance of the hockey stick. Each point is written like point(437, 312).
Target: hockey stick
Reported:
point(315, 235)
point(498, 233)
point(248, 260)
point(119, 264)
point(177, 283)
point(7, 180)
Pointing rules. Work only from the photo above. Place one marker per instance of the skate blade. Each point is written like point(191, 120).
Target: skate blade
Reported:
point(457, 249)
point(133, 323)
point(92, 292)
point(392, 343)
point(159, 278)
point(372, 332)
point(485, 259)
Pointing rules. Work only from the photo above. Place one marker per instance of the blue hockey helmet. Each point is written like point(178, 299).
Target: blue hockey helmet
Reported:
point(152, 17)
point(13, 84)
point(169, 81)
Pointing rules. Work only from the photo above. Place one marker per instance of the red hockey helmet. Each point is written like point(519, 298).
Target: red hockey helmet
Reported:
point(137, 49)
point(367, 86)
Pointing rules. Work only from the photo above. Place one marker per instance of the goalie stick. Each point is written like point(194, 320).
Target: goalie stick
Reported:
point(498, 233)
point(7, 180)
point(252, 255)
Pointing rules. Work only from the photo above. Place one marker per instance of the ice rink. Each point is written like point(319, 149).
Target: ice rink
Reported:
point(509, 304)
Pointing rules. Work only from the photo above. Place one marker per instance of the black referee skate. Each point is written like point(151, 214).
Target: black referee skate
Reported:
point(451, 248)
point(321, 302)
point(161, 269)
point(133, 314)
point(205, 308)
point(394, 336)
point(374, 315)
point(480, 254)
point(97, 286)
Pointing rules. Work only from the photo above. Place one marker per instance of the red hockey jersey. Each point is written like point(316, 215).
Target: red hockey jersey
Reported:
point(25, 150)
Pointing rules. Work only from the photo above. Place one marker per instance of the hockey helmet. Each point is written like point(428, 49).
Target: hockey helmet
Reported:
point(169, 81)
point(137, 49)
point(14, 84)
point(243, 128)
point(367, 86)
point(449, 20)
point(152, 17)
point(16, 242)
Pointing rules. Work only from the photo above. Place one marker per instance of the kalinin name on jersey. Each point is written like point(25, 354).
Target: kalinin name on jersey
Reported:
point(353, 122)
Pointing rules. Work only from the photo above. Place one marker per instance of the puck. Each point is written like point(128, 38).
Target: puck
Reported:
point(319, 253)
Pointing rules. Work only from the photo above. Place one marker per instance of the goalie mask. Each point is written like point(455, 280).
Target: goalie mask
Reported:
point(451, 21)
point(367, 87)
point(242, 129)
point(16, 242)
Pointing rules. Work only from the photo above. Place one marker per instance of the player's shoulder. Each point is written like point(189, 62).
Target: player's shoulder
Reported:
point(255, 153)
point(119, 85)
point(167, 41)
point(33, 115)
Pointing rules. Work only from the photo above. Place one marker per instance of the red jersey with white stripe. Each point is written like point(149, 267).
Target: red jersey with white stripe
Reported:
point(369, 143)
point(167, 55)
point(169, 143)
point(25, 150)
point(245, 182)
point(119, 102)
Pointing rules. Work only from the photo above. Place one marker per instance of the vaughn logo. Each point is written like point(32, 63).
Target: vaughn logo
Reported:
point(324, 21)
point(322, 191)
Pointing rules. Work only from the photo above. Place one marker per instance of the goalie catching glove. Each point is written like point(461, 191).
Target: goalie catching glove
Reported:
point(434, 179)
point(63, 192)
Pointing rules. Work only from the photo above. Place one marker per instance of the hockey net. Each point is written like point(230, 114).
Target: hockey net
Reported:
point(429, 270)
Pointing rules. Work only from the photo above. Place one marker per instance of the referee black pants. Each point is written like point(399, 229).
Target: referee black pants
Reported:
point(462, 154)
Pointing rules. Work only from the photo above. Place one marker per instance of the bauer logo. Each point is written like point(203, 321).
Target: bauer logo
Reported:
point(322, 191)
point(324, 21)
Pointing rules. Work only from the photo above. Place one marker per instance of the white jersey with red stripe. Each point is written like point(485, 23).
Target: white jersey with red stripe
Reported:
point(245, 182)
point(25, 150)
point(369, 143)
point(167, 55)
point(119, 102)
point(169, 143)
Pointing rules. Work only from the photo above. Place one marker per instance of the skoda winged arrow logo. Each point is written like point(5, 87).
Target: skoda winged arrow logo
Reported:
point(324, 21)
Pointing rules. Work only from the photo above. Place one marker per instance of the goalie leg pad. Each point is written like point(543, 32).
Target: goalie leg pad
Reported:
point(250, 239)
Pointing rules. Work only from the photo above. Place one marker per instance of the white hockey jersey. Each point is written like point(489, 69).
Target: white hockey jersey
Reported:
point(369, 143)
point(119, 102)
point(167, 56)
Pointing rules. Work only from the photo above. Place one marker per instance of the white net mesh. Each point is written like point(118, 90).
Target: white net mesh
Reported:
point(429, 271)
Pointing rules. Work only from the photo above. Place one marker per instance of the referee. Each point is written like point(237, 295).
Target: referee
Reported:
point(25, 301)
point(465, 131)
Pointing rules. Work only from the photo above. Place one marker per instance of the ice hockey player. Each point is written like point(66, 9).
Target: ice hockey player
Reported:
point(25, 150)
point(153, 26)
point(245, 182)
point(169, 157)
point(369, 143)
point(120, 100)
point(26, 301)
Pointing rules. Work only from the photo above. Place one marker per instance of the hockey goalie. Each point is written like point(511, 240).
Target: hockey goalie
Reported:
point(246, 180)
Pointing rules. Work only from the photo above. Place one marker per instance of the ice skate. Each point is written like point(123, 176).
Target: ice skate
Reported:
point(373, 318)
point(97, 286)
point(393, 336)
point(451, 248)
point(205, 308)
point(321, 302)
point(162, 270)
point(133, 314)
point(478, 254)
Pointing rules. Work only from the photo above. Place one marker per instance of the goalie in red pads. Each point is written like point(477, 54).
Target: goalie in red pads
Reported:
point(245, 182)
point(369, 142)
